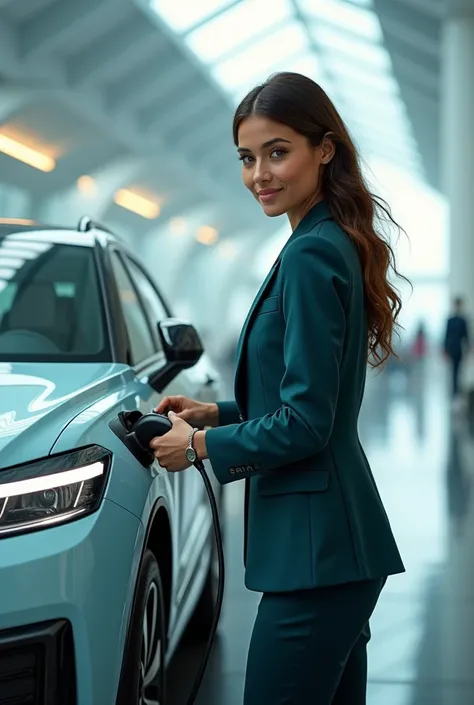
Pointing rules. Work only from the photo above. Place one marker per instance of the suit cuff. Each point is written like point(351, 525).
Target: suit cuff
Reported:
point(218, 454)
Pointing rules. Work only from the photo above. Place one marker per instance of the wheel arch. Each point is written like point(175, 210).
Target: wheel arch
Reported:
point(157, 538)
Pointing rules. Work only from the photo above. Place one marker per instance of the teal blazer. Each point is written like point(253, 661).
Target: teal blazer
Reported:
point(313, 515)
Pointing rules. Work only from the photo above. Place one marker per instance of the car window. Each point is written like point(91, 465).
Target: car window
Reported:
point(142, 345)
point(51, 307)
point(154, 306)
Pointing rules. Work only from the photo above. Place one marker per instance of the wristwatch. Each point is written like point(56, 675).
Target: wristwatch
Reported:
point(191, 454)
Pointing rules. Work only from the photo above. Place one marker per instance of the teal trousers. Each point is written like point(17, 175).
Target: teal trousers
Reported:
point(310, 647)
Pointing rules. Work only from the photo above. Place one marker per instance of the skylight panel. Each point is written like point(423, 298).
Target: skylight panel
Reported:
point(181, 19)
point(352, 76)
point(260, 59)
point(309, 65)
point(357, 20)
point(237, 26)
point(334, 42)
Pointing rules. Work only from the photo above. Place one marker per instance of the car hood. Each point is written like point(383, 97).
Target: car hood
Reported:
point(37, 401)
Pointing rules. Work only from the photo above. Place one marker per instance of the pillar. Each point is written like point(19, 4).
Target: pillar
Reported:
point(457, 142)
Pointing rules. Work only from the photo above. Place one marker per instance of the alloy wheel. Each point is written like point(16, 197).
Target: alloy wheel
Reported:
point(151, 645)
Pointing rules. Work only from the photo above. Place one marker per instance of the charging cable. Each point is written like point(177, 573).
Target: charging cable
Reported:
point(136, 430)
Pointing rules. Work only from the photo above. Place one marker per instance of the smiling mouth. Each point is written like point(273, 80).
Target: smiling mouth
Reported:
point(268, 194)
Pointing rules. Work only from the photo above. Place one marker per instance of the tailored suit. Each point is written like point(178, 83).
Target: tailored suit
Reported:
point(318, 543)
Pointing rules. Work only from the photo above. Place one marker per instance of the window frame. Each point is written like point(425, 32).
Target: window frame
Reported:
point(158, 360)
point(129, 258)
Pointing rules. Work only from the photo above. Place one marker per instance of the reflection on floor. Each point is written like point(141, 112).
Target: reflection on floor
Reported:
point(422, 647)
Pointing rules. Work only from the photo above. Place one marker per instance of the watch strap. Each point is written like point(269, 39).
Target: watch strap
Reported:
point(191, 439)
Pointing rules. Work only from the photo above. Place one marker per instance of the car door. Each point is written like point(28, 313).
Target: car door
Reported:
point(192, 511)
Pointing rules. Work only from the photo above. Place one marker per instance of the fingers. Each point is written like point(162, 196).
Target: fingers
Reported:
point(169, 404)
point(163, 405)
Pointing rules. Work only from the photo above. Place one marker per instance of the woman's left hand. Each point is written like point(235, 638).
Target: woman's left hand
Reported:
point(170, 448)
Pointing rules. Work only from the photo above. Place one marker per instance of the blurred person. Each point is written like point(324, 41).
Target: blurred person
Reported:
point(456, 344)
point(318, 542)
point(417, 357)
point(420, 344)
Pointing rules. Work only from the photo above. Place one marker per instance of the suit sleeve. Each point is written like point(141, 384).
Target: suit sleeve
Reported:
point(314, 290)
point(228, 413)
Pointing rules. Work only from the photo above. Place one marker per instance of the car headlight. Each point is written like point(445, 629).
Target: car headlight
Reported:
point(53, 490)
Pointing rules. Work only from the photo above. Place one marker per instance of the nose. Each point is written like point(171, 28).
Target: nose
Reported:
point(261, 175)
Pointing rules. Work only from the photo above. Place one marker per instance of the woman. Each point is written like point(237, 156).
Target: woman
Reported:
point(318, 542)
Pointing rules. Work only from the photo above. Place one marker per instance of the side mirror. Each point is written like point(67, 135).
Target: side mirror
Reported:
point(182, 346)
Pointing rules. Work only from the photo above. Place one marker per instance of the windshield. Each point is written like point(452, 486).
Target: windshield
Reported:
point(51, 308)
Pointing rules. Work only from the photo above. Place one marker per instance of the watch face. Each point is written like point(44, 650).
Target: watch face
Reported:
point(191, 454)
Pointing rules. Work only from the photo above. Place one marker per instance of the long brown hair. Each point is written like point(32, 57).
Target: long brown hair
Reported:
point(300, 103)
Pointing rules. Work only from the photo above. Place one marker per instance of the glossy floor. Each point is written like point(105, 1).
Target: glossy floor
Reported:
point(422, 646)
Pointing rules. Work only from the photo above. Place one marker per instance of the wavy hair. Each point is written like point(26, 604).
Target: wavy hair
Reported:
point(298, 102)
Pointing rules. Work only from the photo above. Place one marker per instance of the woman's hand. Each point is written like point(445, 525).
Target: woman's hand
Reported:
point(170, 448)
point(197, 413)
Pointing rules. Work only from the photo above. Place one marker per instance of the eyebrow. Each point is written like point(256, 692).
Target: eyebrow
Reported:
point(265, 144)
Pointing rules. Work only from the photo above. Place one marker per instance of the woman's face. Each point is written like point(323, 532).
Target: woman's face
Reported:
point(280, 167)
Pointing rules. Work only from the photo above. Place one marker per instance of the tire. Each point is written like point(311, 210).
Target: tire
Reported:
point(143, 672)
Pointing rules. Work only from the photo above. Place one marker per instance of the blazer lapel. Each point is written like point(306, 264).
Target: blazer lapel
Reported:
point(243, 334)
point(316, 215)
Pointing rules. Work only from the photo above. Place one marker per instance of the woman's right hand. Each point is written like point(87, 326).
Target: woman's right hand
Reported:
point(196, 413)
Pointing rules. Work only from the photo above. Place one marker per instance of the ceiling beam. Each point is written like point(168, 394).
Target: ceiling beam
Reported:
point(13, 99)
point(148, 84)
point(217, 130)
point(56, 24)
point(107, 57)
point(8, 44)
point(431, 8)
point(184, 112)
point(414, 75)
point(405, 35)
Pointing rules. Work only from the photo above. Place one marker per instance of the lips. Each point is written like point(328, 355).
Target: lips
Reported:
point(267, 195)
point(268, 191)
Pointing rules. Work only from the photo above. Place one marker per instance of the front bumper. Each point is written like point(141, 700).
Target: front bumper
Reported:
point(65, 597)
point(37, 665)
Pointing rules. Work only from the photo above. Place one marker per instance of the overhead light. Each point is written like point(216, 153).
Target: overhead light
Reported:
point(26, 154)
point(207, 235)
point(137, 204)
point(178, 226)
point(87, 185)
point(16, 221)
point(227, 250)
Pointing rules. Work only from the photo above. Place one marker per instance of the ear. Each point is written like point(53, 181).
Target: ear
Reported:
point(328, 148)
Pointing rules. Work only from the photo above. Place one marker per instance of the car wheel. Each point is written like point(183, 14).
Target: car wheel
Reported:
point(143, 675)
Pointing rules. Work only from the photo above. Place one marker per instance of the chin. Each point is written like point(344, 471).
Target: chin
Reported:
point(273, 211)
